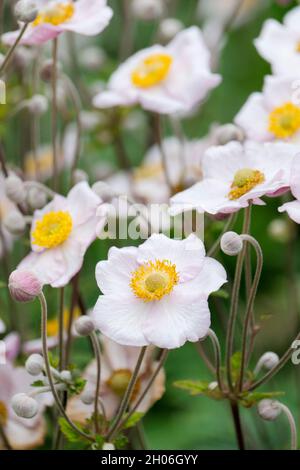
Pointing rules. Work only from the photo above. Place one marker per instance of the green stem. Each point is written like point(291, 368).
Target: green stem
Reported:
point(97, 352)
point(12, 49)
point(54, 114)
point(217, 350)
point(228, 226)
point(292, 424)
point(159, 142)
point(237, 424)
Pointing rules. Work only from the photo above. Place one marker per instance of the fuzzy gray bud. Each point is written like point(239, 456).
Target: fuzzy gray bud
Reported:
point(15, 223)
point(103, 190)
point(84, 326)
point(231, 243)
point(15, 189)
point(24, 406)
point(229, 133)
point(26, 11)
point(35, 364)
point(269, 409)
point(36, 198)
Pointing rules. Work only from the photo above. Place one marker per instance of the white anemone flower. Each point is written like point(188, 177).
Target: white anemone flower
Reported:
point(293, 208)
point(273, 114)
point(163, 79)
point(235, 174)
point(157, 294)
point(279, 43)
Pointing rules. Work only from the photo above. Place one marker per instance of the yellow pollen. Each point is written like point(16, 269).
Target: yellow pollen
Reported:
point(154, 280)
point(53, 323)
point(3, 414)
point(55, 14)
point(245, 180)
point(152, 70)
point(119, 380)
point(52, 230)
point(284, 121)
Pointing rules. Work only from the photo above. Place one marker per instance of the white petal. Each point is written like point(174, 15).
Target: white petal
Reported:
point(293, 210)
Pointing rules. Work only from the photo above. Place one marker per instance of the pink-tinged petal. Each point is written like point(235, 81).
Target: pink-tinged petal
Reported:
point(34, 35)
point(159, 100)
point(293, 210)
point(187, 255)
point(109, 99)
point(72, 259)
point(278, 91)
point(83, 203)
point(35, 345)
point(172, 322)
point(211, 277)
point(230, 157)
point(90, 18)
point(295, 177)
point(275, 41)
point(113, 276)
point(292, 18)
point(12, 346)
point(121, 318)
point(253, 118)
point(48, 265)
point(190, 43)
point(22, 438)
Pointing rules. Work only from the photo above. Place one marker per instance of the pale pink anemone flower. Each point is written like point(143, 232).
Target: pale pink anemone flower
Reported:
point(157, 294)
point(22, 433)
point(61, 233)
point(117, 365)
point(87, 17)
point(163, 79)
point(293, 207)
point(235, 174)
point(273, 114)
point(279, 44)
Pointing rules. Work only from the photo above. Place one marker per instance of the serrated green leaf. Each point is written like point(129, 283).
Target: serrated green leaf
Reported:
point(250, 399)
point(70, 434)
point(134, 419)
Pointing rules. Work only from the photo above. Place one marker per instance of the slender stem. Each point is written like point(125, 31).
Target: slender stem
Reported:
point(290, 417)
point(2, 162)
point(126, 43)
point(249, 308)
point(235, 300)
point(217, 350)
point(283, 360)
point(97, 352)
point(160, 365)
point(159, 142)
point(12, 49)
point(228, 226)
point(61, 328)
point(59, 405)
point(237, 424)
point(74, 300)
point(127, 396)
point(54, 113)
point(206, 359)
point(4, 438)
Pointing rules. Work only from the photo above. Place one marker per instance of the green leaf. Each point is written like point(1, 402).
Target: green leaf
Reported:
point(120, 442)
point(134, 419)
point(222, 294)
point(77, 386)
point(198, 387)
point(38, 383)
point(70, 434)
point(54, 360)
point(250, 399)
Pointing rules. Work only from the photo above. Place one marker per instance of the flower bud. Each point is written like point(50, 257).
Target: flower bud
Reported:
point(15, 189)
point(147, 10)
point(35, 364)
point(38, 105)
point(24, 286)
point(26, 11)
point(46, 70)
point(80, 175)
point(269, 360)
point(88, 396)
point(92, 58)
point(84, 326)
point(103, 190)
point(24, 406)
point(15, 223)
point(269, 409)
point(108, 446)
point(231, 243)
point(168, 29)
point(36, 198)
point(228, 133)
point(66, 376)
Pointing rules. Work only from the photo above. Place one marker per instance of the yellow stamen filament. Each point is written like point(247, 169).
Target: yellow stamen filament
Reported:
point(245, 180)
point(3, 414)
point(154, 280)
point(55, 14)
point(119, 380)
point(53, 323)
point(152, 70)
point(284, 121)
point(52, 230)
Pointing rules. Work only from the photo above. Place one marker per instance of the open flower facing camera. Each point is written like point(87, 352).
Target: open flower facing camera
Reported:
point(149, 178)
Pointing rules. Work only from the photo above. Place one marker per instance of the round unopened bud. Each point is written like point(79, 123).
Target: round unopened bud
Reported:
point(35, 364)
point(280, 230)
point(24, 286)
point(36, 198)
point(108, 446)
point(80, 175)
point(15, 223)
point(66, 376)
point(228, 133)
point(168, 29)
point(88, 396)
point(231, 243)
point(26, 11)
point(38, 105)
point(47, 68)
point(15, 189)
point(269, 360)
point(24, 406)
point(147, 10)
point(103, 190)
point(84, 326)
point(269, 409)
